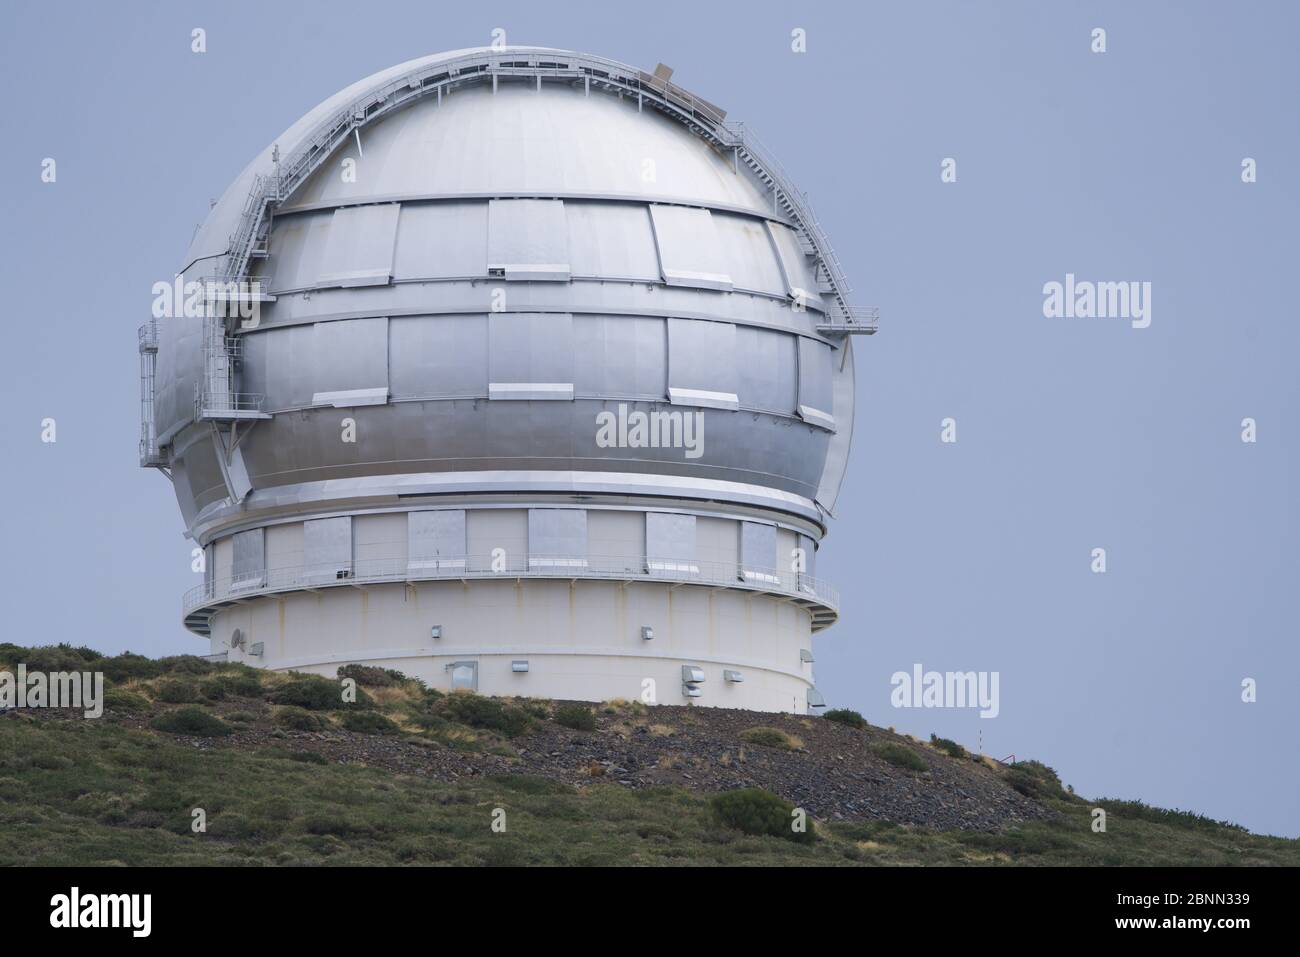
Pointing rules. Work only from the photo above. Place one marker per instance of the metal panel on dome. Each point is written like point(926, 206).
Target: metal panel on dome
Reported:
point(620, 357)
point(767, 367)
point(248, 566)
point(758, 552)
point(815, 387)
point(557, 538)
point(528, 240)
point(670, 543)
point(702, 364)
point(750, 259)
point(611, 241)
point(327, 548)
point(436, 539)
point(800, 280)
point(350, 366)
point(441, 241)
point(438, 357)
point(689, 250)
point(530, 356)
point(361, 244)
point(298, 251)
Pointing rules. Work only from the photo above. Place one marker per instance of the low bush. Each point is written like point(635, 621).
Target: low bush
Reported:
point(948, 746)
point(900, 756)
point(575, 716)
point(176, 691)
point(368, 722)
point(186, 665)
point(126, 666)
point(846, 716)
point(479, 711)
point(372, 677)
point(770, 738)
point(116, 699)
point(241, 683)
point(317, 693)
point(1035, 780)
point(192, 721)
point(294, 718)
point(761, 813)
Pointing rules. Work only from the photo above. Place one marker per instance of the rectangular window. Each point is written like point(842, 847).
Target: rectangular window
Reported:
point(816, 400)
point(702, 364)
point(437, 540)
point(530, 356)
point(557, 538)
point(327, 548)
point(689, 251)
point(464, 675)
point(758, 552)
point(248, 565)
point(670, 543)
point(528, 239)
point(361, 244)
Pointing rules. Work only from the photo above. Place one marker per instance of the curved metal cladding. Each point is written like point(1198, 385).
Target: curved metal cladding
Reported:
point(525, 325)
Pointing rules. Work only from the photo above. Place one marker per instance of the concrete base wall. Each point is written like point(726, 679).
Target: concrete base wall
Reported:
point(582, 639)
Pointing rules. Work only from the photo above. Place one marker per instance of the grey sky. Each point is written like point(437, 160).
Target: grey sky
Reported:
point(1072, 434)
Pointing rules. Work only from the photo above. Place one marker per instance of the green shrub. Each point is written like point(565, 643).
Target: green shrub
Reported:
point(298, 719)
point(770, 738)
point(846, 716)
point(192, 721)
point(186, 665)
point(948, 746)
point(368, 722)
point(372, 677)
point(575, 716)
point(758, 812)
point(1035, 780)
point(479, 711)
point(316, 693)
point(242, 683)
point(900, 756)
point(126, 666)
point(176, 691)
point(115, 699)
point(241, 717)
point(1137, 811)
point(62, 657)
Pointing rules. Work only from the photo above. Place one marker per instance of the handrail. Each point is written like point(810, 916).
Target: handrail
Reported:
point(291, 171)
point(640, 568)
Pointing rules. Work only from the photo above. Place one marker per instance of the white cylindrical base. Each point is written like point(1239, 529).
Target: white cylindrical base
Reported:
point(582, 640)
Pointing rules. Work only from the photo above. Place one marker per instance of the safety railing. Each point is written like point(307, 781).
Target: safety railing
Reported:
point(363, 571)
point(292, 170)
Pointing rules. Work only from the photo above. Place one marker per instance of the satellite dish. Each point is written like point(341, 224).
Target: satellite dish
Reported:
point(236, 639)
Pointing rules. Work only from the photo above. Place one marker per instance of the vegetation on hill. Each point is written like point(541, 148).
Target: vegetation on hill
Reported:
point(300, 769)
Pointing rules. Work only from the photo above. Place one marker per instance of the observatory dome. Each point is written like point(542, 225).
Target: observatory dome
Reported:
point(539, 382)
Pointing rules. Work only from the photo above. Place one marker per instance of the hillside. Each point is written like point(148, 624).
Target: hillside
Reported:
point(287, 773)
